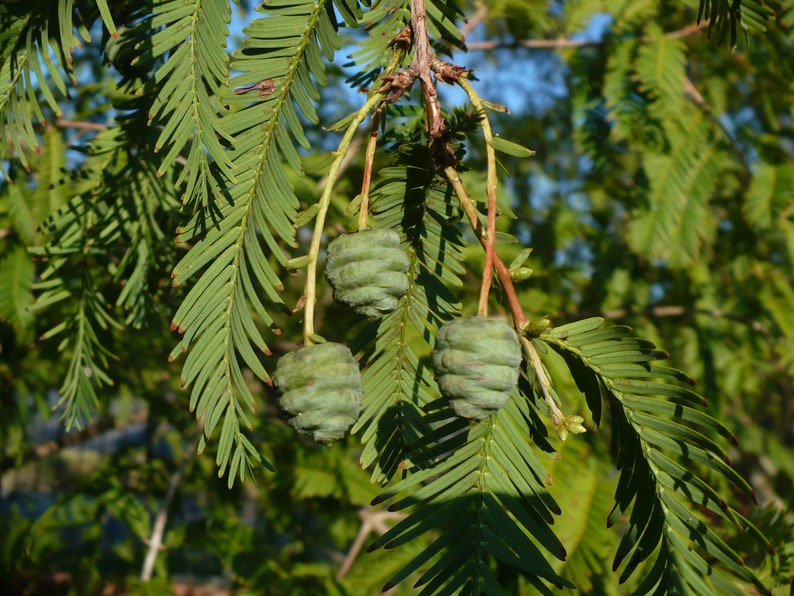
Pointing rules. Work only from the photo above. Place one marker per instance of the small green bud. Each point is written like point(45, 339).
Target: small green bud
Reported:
point(521, 274)
point(574, 424)
point(570, 424)
point(536, 327)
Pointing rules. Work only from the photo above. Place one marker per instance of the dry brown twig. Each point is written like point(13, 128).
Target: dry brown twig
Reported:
point(155, 541)
point(564, 42)
point(476, 19)
point(371, 521)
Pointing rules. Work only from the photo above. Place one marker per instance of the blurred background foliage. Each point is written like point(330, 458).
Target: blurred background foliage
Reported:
point(666, 205)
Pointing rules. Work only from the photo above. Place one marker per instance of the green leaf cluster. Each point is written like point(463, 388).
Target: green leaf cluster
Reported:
point(660, 437)
point(239, 239)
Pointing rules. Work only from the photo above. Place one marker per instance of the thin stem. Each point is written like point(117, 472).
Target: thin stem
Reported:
point(474, 20)
point(324, 203)
point(369, 157)
point(532, 356)
point(83, 124)
point(351, 155)
point(490, 190)
point(156, 539)
point(370, 521)
point(698, 99)
point(400, 46)
point(503, 273)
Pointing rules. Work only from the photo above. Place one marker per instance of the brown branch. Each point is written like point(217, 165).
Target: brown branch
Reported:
point(698, 99)
point(81, 127)
point(686, 31)
point(490, 247)
point(532, 44)
point(423, 57)
point(156, 540)
point(673, 311)
point(655, 311)
point(475, 20)
point(80, 124)
point(563, 43)
point(369, 157)
point(370, 521)
point(691, 90)
point(502, 271)
point(491, 188)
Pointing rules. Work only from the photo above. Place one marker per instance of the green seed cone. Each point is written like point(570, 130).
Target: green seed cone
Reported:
point(476, 364)
point(320, 388)
point(368, 271)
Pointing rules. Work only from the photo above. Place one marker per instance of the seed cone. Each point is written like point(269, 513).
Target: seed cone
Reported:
point(368, 271)
point(320, 387)
point(476, 364)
